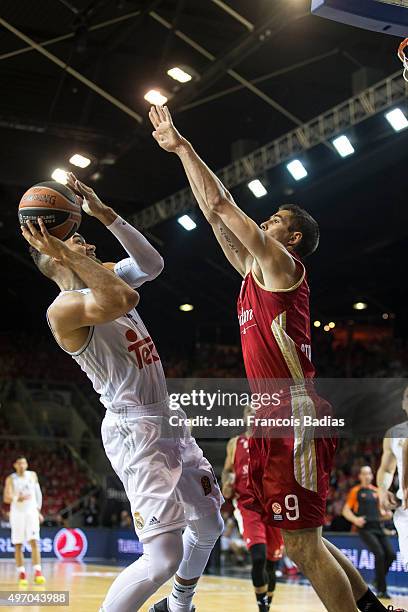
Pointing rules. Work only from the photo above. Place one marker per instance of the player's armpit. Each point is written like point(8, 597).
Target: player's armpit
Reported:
point(75, 310)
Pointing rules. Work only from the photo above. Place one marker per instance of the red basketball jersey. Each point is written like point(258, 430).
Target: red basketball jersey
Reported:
point(275, 330)
point(241, 460)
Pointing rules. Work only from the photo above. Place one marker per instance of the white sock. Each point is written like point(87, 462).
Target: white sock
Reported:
point(181, 596)
point(37, 568)
point(21, 569)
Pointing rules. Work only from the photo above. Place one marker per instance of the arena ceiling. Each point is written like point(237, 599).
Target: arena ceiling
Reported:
point(263, 66)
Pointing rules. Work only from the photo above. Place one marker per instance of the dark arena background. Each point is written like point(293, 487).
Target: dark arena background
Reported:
point(270, 83)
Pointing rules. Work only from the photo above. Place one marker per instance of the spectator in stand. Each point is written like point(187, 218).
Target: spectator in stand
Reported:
point(91, 512)
point(362, 510)
point(125, 520)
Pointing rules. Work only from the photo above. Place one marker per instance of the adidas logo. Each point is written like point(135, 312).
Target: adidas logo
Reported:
point(154, 521)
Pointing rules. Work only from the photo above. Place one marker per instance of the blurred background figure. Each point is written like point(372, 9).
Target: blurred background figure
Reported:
point(232, 544)
point(264, 542)
point(362, 510)
point(125, 520)
point(22, 491)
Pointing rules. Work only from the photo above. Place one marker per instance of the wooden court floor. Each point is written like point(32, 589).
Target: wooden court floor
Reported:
point(88, 583)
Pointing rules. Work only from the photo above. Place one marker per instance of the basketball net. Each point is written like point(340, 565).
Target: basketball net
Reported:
point(404, 58)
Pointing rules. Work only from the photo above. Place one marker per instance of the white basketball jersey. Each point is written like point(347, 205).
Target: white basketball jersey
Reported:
point(24, 485)
point(398, 435)
point(122, 363)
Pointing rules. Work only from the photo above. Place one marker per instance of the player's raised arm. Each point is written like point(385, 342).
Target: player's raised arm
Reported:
point(251, 241)
point(109, 296)
point(385, 476)
point(171, 140)
point(144, 262)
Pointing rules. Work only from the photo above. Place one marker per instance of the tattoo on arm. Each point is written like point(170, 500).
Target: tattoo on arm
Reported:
point(228, 240)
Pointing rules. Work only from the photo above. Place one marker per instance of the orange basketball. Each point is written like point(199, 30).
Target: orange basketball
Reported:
point(55, 204)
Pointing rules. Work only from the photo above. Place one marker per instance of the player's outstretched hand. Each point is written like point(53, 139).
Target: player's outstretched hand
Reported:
point(165, 133)
point(90, 202)
point(42, 240)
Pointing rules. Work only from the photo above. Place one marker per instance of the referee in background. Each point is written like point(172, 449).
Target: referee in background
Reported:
point(362, 510)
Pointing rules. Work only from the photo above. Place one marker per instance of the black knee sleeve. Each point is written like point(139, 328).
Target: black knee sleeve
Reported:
point(271, 571)
point(258, 558)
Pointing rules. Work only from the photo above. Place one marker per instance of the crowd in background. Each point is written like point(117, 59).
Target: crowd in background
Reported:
point(64, 481)
point(374, 357)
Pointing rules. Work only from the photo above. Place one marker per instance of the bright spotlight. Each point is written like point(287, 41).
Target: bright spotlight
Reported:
point(59, 175)
point(360, 306)
point(397, 119)
point(332, 325)
point(326, 328)
point(186, 307)
point(187, 222)
point(79, 160)
point(297, 169)
point(317, 323)
point(343, 146)
point(180, 75)
point(155, 97)
point(257, 188)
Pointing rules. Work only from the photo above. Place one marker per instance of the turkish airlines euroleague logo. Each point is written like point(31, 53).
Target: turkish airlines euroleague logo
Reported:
point(70, 544)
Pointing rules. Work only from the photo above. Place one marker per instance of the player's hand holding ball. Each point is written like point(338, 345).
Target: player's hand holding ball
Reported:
point(41, 240)
point(91, 204)
point(165, 133)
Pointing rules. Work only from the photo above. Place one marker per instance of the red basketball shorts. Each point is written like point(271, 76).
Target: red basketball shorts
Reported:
point(255, 531)
point(288, 477)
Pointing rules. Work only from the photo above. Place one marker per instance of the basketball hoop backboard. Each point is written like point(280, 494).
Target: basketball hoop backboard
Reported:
point(387, 16)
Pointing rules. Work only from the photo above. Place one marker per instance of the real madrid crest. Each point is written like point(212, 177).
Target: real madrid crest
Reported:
point(139, 520)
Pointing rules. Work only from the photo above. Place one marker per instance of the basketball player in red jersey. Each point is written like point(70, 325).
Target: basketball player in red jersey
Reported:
point(289, 476)
point(264, 542)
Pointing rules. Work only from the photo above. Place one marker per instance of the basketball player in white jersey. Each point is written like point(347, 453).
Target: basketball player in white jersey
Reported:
point(393, 459)
point(22, 491)
point(170, 485)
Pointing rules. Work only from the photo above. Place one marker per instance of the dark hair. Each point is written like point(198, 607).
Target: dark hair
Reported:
point(20, 457)
point(302, 222)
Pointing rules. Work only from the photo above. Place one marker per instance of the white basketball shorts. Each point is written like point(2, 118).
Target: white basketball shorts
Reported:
point(25, 526)
point(401, 525)
point(167, 479)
